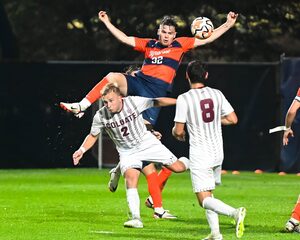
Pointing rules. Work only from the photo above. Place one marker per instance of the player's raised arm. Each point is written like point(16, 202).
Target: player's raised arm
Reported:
point(121, 36)
point(218, 32)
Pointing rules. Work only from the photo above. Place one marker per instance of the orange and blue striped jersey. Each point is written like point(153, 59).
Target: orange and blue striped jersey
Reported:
point(162, 62)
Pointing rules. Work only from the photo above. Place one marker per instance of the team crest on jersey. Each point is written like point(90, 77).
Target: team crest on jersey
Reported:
point(158, 53)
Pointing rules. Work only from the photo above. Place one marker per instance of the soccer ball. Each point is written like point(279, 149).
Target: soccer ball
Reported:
point(202, 27)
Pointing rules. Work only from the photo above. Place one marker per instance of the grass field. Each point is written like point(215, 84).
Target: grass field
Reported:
point(76, 204)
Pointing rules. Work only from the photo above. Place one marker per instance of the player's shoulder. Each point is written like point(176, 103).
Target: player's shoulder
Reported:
point(214, 90)
point(184, 40)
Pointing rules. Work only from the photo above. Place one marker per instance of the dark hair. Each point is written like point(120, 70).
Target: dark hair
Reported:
point(169, 21)
point(111, 87)
point(196, 72)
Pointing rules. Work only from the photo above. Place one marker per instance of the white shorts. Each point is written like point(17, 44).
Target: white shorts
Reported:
point(205, 179)
point(149, 149)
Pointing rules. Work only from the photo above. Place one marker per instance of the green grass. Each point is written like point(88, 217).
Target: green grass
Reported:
point(76, 204)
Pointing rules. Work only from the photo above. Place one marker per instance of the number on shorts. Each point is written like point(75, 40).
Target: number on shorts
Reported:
point(207, 107)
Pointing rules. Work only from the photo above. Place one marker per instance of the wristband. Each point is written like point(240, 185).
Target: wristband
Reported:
point(83, 150)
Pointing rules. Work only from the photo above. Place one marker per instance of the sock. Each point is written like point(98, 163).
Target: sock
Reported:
point(84, 104)
point(133, 201)
point(163, 176)
point(296, 211)
point(95, 93)
point(159, 210)
point(213, 221)
point(218, 207)
point(154, 189)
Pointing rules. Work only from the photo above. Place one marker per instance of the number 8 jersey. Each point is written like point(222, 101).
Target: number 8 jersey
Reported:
point(201, 110)
point(126, 128)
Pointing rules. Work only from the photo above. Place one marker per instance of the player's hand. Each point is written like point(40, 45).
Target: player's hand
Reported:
point(287, 133)
point(77, 156)
point(181, 138)
point(231, 18)
point(103, 16)
point(157, 134)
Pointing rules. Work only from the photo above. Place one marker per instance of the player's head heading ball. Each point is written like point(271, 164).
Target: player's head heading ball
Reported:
point(196, 72)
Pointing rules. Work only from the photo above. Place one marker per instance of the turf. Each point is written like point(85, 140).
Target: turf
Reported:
point(76, 204)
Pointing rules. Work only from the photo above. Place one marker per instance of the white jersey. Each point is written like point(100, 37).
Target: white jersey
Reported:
point(126, 128)
point(201, 110)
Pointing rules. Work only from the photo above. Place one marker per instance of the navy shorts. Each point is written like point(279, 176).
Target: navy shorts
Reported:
point(144, 86)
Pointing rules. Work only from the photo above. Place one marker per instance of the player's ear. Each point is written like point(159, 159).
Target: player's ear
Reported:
point(175, 35)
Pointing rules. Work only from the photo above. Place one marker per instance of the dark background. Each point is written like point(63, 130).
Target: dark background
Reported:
point(40, 134)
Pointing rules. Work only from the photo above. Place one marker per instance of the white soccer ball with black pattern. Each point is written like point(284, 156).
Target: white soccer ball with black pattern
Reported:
point(202, 27)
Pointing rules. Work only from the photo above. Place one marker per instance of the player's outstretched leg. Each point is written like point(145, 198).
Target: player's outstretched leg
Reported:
point(115, 174)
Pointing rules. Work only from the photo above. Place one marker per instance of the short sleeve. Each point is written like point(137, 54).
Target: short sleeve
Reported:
point(187, 43)
point(181, 110)
point(140, 44)
point(97, 125)
point(226, 106)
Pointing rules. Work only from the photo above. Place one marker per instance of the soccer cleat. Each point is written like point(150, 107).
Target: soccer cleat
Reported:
point(239, 219)
point(72, 107)
point(164, 215)
point(292, 226)
point(297, 229)
point(114, 180)
point(149, 202)
point(214, 237)
point(134, 223)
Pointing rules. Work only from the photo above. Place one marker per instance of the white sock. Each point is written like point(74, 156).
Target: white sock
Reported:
point(185, 161)
point(213, 221)
point(218, 206)
point(133, 201)
point(159, 210)
point(84, 104)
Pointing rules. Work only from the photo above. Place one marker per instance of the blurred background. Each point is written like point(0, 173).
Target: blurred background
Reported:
point(52, 51)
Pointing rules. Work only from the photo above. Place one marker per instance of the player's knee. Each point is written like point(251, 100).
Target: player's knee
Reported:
point(113, 77)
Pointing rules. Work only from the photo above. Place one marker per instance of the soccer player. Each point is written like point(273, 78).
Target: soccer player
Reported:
point(204, 110)
point(162, 59)
point(122, 120)
point(292, 224)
